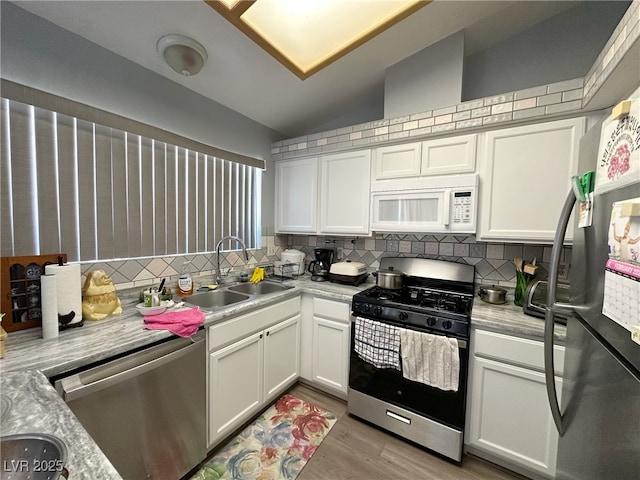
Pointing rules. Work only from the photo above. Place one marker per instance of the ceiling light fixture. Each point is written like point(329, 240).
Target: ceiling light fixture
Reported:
point(307, 36)
point(183, 54)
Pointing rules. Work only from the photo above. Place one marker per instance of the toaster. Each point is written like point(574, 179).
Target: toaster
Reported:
point(535, 299)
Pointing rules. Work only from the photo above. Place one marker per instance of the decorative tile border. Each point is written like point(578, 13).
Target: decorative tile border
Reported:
point(531, 103)
point(537, 102)
point(624, 36)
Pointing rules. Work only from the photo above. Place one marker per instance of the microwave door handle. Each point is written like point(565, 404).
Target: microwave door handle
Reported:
point(446, 213)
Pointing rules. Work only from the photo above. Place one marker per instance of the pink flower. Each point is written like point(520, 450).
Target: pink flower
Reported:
point(289, 406)
point(310, 426)
point(620, 162)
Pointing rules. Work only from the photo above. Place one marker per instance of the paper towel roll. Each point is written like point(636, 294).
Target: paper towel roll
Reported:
point(69, 286)
point(49, 294)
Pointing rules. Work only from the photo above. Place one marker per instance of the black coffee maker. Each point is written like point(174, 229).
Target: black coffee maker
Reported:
point(319, 268)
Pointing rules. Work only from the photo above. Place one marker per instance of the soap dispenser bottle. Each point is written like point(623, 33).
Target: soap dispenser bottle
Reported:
point(185, 283)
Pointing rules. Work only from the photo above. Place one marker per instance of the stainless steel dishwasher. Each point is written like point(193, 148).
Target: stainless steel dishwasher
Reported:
point(146, 410)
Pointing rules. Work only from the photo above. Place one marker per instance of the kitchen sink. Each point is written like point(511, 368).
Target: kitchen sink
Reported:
point(33, 455)
point(260, 288)
point(215, 299)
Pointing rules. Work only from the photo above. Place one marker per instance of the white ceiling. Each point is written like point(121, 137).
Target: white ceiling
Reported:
point(241, 76)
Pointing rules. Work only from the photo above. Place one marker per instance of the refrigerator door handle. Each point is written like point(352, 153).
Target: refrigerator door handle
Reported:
point(552, 307)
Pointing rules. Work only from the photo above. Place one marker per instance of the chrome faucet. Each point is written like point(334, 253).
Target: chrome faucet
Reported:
point(228, 237)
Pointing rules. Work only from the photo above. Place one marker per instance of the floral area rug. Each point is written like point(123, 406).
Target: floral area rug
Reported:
point(276, 446)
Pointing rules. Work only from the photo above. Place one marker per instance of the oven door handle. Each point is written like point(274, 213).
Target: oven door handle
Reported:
point(462, 344)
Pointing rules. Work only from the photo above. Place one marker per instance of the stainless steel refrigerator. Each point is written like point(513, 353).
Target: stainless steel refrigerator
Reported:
point(599, 416)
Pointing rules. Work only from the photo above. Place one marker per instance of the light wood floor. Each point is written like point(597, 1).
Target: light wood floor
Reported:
point(356, 450)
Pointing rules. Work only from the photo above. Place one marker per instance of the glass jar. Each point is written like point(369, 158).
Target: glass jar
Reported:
point(522, 281)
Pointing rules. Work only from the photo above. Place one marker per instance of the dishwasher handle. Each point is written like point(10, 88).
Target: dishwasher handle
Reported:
point(85, 383)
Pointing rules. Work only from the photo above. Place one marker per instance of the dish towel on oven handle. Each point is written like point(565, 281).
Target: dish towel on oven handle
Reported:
point(430, 359)
point(377, 343)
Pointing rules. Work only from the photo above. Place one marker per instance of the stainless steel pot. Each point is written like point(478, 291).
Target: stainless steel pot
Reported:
point(492, 294)
point(389, 279)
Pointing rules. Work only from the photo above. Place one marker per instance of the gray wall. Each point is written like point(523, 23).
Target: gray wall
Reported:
point(39, 54)
point(429, 79)
point(561, 48)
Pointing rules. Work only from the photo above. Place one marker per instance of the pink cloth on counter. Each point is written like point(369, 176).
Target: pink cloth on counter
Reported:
point(184, 323)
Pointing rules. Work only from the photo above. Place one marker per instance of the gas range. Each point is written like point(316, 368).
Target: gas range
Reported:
point(439, 305)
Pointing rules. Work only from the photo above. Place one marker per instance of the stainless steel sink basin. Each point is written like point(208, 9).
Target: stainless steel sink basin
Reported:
point(215, 299)
point(260, 288)
point(33, 456)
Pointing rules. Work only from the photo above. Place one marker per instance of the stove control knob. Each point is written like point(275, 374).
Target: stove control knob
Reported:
point(377, 310)
point(403, 315)
point(446, 324)
point(366, 307)
point(431, 321)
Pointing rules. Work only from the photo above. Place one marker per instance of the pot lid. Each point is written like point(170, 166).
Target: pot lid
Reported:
point(493, 288)
point(390, 272)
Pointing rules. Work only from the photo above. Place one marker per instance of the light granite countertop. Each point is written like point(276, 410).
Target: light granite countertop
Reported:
point(37, 408)
point(29, 361)
point(511, 320)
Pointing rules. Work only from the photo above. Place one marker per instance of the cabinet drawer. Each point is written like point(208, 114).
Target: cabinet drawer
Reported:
point(224, 333)
point(331, 309)
point(515, 350)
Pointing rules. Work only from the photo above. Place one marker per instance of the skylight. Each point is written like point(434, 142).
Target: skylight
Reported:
point(308, 35)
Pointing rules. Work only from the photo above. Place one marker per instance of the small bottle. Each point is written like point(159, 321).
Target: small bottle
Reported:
point(185, 283)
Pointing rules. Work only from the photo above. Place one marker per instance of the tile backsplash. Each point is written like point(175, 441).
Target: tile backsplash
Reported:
point(493, 261)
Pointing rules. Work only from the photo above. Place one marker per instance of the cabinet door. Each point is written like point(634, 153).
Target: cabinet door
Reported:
point(525, 176)
point(281, 356)
point(449, 155)
point(330, 366)
point(344, 193)
point(397, 161)
point(510, 417)
point(296, 192)
point(235, 385)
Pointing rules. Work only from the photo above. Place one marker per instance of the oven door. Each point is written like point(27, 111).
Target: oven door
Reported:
point(388, 385)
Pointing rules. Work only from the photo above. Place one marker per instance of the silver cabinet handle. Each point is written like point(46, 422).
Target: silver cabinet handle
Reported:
point(84, 383)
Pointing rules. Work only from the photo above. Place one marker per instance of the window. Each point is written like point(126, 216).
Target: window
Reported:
point(99, 193)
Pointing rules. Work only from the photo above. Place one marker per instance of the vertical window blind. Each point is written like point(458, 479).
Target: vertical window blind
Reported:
point(98, 193)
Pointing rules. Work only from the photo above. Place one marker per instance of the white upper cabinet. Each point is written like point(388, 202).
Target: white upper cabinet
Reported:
point(325, 195)
point(397, 161)
point(525, 176)
point(449, 155)
point(296, 195)
point(345, 182)
point(433, 157)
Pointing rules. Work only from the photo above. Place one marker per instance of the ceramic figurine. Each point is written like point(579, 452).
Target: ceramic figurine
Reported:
point(99, 299)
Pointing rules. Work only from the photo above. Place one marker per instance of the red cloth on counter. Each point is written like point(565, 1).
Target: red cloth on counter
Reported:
point(184, 323)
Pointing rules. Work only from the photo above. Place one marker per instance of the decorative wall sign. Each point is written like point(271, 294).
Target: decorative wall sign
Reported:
point(619, 152)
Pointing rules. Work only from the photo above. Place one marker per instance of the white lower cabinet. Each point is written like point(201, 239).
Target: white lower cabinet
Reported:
point(509, 420)
point(325, 344)
point(252, 359)
point(331, 353)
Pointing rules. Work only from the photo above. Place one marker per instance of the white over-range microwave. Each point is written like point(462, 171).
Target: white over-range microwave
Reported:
point(436, 204)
